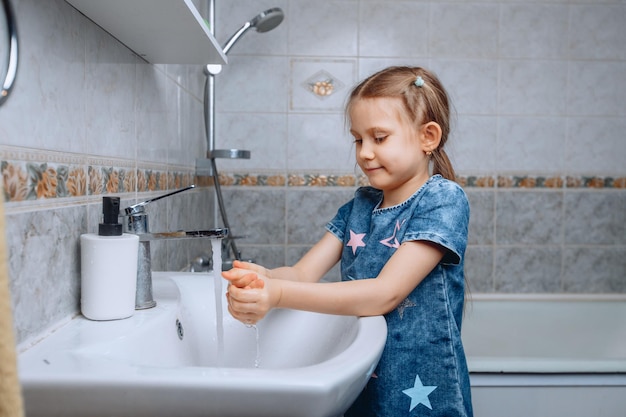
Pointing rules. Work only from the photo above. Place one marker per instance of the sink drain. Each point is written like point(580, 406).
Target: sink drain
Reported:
point(179, 329)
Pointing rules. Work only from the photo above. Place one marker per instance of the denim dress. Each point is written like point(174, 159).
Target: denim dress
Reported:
point(422, 371)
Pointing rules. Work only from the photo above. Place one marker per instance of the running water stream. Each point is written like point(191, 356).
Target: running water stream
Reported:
point(216, 247)
point(257, 358)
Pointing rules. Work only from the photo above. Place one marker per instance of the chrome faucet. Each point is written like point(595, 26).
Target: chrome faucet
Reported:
point(135, 220)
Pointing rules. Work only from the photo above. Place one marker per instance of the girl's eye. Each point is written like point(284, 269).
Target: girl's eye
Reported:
point(358, 141)
point(380, 139)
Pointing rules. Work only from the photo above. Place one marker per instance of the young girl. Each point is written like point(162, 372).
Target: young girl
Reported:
point(401, 243)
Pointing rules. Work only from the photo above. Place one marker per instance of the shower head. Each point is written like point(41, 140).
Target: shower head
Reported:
point(267, 20)
point(263, 22)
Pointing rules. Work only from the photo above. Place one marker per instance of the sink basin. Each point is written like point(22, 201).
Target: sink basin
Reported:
point(189, 357)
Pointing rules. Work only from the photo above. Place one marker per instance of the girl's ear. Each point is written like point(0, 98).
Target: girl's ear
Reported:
point(430, 136)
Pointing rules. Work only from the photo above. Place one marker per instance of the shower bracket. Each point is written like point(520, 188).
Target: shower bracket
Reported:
point(228, 154)
point(205, 167)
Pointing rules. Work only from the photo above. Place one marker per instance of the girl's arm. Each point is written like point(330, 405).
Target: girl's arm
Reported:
point(310, 268)
point(411, 263)
point(315, 263)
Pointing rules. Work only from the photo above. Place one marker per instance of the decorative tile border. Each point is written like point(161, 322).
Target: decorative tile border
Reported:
point(35, 175)
point(467, 181)
point(568, 182)
point(32, 175)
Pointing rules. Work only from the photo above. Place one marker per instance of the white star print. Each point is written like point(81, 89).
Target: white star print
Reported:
point(419, 394)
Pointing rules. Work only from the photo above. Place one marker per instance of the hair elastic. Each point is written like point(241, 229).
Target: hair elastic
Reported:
point(419, 81)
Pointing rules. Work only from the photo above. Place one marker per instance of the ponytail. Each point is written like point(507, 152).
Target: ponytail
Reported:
point(442, 164)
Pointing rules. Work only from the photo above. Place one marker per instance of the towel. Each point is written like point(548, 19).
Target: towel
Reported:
point(10, 392)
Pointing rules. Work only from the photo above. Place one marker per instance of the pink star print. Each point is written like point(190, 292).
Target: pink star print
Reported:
point(356, 240)
point(391, 241)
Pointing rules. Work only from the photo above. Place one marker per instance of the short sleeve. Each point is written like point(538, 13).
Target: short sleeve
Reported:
point(337, 226)
point(442, 217)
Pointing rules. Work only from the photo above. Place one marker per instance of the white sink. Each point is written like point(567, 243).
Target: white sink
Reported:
point(308, 364)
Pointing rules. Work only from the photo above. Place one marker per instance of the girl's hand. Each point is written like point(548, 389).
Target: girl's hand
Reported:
point(252, 303)
point(249, 305)
point(249, 296)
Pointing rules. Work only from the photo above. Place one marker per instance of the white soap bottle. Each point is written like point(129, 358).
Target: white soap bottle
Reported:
point(108, 268)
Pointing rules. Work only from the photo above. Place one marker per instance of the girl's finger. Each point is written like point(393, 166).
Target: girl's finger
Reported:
point(258, 284)
point(246, 318)
point(250, 267)
point(244, 295)
point(242, 281)
point(235, 273)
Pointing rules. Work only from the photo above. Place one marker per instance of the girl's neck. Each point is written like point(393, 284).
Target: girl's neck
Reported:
point(402, 193)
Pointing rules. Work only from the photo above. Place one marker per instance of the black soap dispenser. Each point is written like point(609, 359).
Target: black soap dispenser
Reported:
point(110, 225)
point(108, 267)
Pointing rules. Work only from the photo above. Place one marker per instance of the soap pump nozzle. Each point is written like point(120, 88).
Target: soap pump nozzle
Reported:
point(110, 225)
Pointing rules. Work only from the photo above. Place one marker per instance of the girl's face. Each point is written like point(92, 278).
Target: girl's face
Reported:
point(390, 150)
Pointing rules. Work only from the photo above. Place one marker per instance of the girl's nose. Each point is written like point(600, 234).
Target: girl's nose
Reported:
point(366, 150)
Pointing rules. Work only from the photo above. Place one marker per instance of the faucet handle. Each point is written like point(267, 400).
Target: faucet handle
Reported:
point(139, 207)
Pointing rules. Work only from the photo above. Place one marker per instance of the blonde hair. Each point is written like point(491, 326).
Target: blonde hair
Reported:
point(422, 104)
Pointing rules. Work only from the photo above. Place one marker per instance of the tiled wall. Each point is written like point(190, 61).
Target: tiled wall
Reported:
point(88, 118)
point(539, 90)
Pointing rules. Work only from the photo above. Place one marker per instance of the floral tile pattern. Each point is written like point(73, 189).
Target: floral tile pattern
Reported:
point(30, 176)
point(469, 181)
point(319, 180)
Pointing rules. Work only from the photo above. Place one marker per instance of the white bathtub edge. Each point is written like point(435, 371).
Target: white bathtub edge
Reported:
point(544, 366)
point(543, 297)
